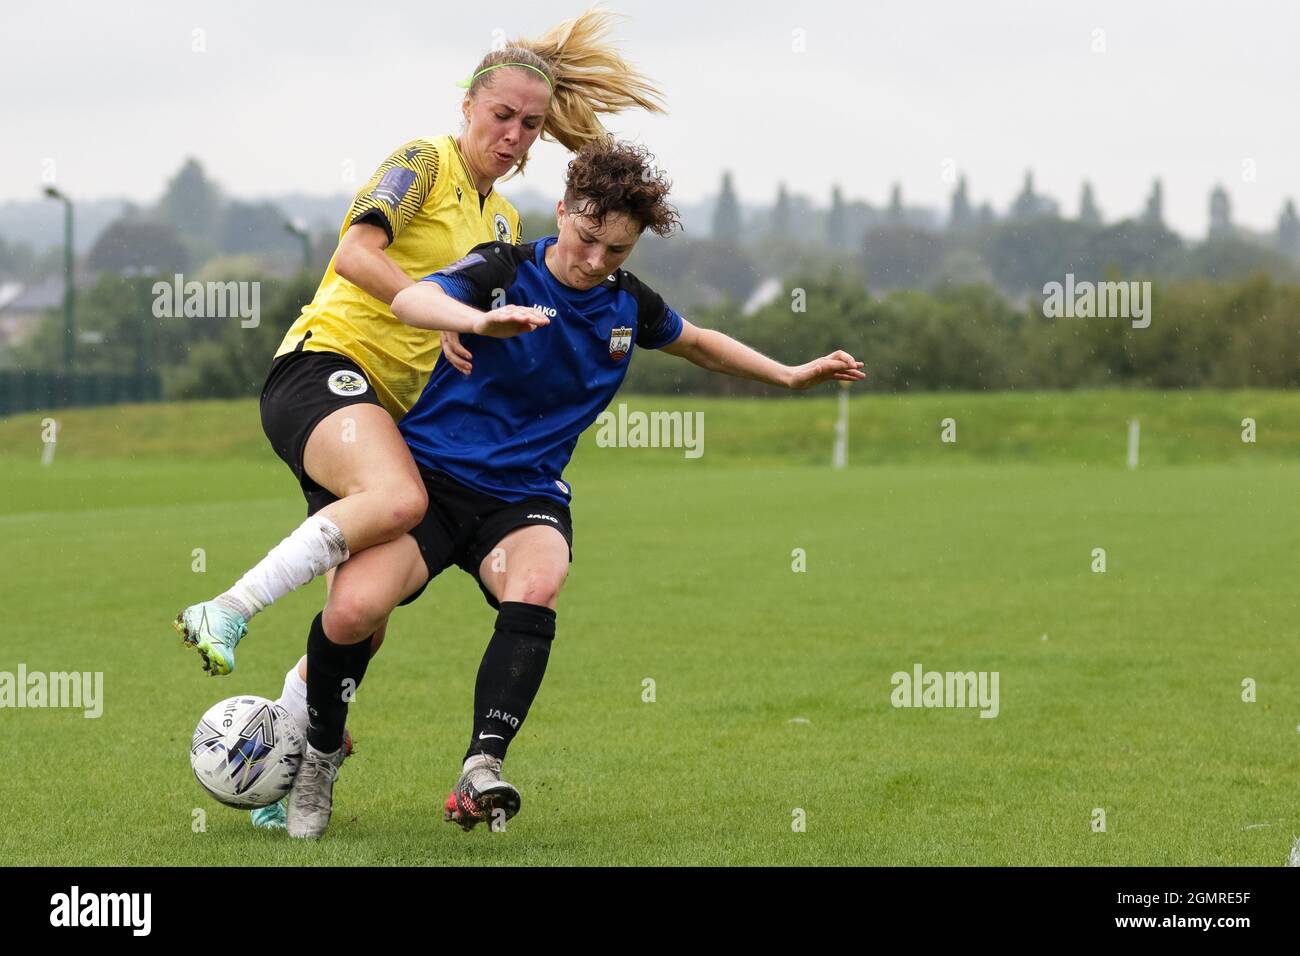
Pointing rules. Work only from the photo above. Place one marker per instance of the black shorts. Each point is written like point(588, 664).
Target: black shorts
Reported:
point(301, 389)
point(463, 526)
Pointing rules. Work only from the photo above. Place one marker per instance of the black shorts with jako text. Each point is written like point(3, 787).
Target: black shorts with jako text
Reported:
point(463, 526)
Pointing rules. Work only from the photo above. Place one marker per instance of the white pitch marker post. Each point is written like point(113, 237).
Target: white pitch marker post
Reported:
point(1133, 444)
point(840, 454)
point(47, 453)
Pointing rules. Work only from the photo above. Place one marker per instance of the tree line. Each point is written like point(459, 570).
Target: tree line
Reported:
point(1242, 332)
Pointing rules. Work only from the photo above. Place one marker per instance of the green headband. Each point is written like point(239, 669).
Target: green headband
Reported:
point(466, 84)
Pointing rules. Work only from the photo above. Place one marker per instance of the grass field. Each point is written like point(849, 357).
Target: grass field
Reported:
point(1119, 690)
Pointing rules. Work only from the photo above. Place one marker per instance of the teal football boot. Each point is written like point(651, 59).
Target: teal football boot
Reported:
point(213, 630)
point(273, 817)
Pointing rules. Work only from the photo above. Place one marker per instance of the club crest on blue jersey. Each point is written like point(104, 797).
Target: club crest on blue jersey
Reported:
point(620, 342)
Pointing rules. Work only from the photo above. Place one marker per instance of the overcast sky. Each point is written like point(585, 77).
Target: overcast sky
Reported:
point(288, 94)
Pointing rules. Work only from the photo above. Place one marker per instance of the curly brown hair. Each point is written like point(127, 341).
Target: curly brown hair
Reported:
point(612, 177)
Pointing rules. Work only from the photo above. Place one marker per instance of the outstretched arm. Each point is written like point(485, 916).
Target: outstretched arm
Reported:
point(426, 306)
point(716, 352)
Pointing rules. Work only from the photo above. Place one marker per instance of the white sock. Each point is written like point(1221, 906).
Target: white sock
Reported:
point(313, 548)
point(293, 698)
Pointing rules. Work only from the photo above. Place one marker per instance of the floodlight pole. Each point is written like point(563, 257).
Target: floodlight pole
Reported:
point(69, 286)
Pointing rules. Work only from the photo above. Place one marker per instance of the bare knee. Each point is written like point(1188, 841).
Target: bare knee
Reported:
point(536, 587)
point(403, 506)
point(351, 617)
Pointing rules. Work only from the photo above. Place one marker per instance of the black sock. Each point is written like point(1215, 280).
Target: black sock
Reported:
point(334, 673)
point(511, 673)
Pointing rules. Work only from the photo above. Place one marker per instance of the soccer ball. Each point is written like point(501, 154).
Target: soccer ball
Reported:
point(245, 752)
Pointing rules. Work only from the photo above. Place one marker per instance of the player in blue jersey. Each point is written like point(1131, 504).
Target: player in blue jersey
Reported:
point(491, 448)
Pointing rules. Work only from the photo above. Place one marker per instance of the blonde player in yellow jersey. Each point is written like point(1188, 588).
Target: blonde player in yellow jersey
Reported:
point(348, 369)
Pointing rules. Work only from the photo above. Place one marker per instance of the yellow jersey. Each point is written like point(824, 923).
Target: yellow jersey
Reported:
point(425, 199)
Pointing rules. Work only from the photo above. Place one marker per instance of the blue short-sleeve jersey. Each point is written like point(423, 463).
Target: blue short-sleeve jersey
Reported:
point(509, 428)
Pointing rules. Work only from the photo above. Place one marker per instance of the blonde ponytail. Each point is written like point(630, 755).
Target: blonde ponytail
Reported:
point(587, 75)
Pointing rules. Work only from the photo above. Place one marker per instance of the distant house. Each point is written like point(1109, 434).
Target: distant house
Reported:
point(21, 308)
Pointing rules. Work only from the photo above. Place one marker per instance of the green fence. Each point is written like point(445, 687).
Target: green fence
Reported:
point(36, 391)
